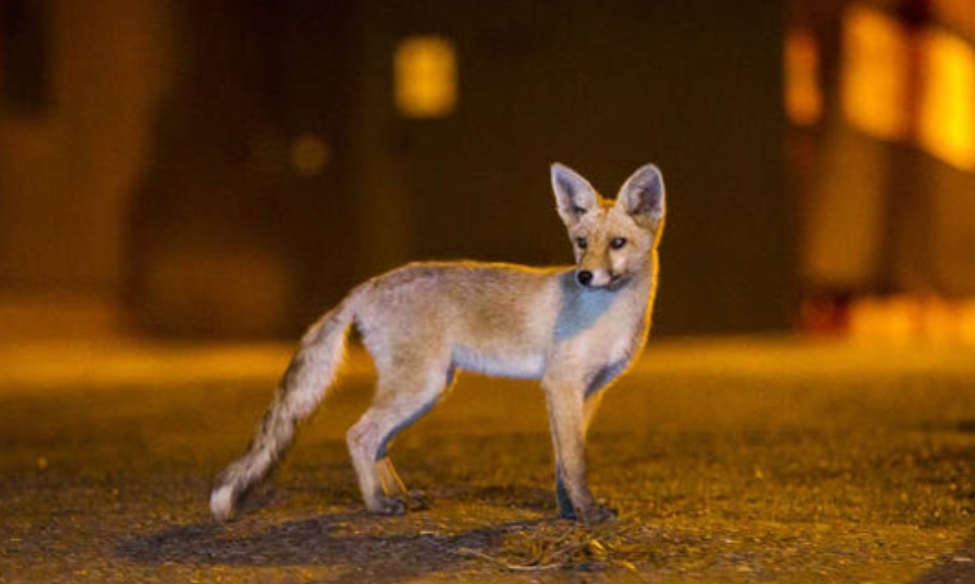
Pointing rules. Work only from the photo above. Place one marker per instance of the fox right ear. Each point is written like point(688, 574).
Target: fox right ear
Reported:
point(642, 196)
point(573, 194)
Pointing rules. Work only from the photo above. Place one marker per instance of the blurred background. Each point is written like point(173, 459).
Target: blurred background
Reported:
point(226, 169)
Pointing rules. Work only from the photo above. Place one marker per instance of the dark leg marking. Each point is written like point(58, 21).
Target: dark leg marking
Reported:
point(604, 376)
point(566, 510)
point(423, 410)
point(294, 368)
point(449, 379)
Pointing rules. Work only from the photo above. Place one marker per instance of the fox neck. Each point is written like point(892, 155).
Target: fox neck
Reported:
point(641, 286)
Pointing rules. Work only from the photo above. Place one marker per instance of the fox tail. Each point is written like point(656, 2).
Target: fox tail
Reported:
point(303, 386)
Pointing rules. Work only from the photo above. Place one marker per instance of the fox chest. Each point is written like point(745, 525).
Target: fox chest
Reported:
point(601, 322)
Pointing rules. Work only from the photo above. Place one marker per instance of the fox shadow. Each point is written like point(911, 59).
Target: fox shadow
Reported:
point(313, 541)
point(352, 539)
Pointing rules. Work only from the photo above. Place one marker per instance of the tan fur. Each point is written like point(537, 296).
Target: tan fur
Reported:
point(574, 329)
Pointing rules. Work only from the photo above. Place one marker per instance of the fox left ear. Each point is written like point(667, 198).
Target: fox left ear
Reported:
point(642, 196)
point(574, 195)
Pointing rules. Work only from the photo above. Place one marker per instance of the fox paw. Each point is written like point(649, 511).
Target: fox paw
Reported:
point(384, 505)
point(400, 504)
point(598, 513)
point(223, 502)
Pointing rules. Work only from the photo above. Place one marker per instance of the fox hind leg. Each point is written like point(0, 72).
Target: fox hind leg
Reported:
point(394, 487)
point(402, 398)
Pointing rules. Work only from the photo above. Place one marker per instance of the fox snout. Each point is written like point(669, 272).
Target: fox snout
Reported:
point(600, 264)
point(584, 277)
point(598, 278)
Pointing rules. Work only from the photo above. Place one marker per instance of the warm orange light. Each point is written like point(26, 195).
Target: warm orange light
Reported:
point(909, 319)
point(966, 323)
point(890, 321)
point(874, 79)
point(425, 69)
point(803, 93)
point(946, 123)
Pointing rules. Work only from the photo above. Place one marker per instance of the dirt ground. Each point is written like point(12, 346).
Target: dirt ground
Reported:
point(736, 460)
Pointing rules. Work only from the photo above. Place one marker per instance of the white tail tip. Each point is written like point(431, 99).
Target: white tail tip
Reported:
point(222, 502)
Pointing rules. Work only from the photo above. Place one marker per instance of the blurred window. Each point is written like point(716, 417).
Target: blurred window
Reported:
point(899, 82)
point(425, 70)
point(874, 79)
point(803, 93)
point(946, 123)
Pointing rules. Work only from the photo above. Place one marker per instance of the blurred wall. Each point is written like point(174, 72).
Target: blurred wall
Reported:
point(80, 83)
point(230, 169)
point(692, 86)
point(244, 223)
point(69, 163)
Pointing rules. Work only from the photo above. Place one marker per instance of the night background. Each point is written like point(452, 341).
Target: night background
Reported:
point(154, 166)
point(186, 185)
point(228, 169)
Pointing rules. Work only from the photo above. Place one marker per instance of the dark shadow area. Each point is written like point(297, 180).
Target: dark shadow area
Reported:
point(334, 540)
point(272, 495)
point(959, 568)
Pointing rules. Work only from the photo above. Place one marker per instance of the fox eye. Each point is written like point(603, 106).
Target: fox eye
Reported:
point(582, 242)
point(617, 242)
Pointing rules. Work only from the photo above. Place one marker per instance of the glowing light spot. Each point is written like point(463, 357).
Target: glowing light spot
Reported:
point(874, 79)
point(309, 155)
point(425, 69)
point(946, 125)
point(890, 321)
point(803, 92)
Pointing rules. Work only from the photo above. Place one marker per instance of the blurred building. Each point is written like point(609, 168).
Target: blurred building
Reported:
point(881, 100)
point(230, 168)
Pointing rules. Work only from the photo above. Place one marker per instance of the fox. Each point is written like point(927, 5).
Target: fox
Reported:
point(576, 329)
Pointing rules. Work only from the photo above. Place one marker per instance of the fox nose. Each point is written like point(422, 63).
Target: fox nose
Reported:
point(584, 277)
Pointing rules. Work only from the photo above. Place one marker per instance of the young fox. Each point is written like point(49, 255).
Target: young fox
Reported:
point(575, 329)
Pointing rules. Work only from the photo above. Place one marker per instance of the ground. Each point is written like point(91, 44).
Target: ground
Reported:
point(734, 460)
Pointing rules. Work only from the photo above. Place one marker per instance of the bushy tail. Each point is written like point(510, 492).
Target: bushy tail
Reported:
point(304, 384)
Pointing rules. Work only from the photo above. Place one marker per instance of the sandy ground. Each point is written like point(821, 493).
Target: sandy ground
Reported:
point(730, 460)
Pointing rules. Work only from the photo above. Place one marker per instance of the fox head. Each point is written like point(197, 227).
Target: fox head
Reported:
point(613, 240)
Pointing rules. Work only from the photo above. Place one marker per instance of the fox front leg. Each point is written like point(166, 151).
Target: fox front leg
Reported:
point(592, 400)
point(568, 419)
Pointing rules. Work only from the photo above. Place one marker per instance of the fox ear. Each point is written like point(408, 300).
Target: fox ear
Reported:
point(573, 194)
point(642, 196)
